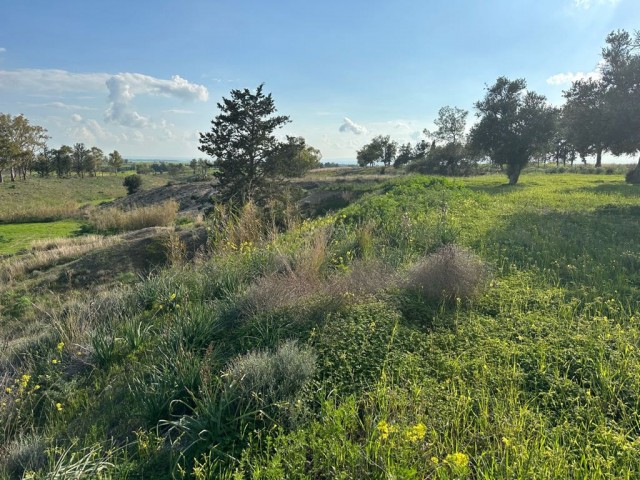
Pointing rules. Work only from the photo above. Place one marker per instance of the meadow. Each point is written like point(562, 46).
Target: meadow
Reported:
point(431, 328)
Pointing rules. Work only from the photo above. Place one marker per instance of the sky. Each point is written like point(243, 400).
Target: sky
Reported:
point(144, 77)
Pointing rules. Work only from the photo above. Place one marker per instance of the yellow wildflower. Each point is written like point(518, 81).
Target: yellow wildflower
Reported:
point(59, 406)
point(435, 460)
point(384, 429)
point(54, 361)
point(24, 381)
point(416, 433)
point(60, 346)
point(8, 390)
point(506, 441)
point(457, 459)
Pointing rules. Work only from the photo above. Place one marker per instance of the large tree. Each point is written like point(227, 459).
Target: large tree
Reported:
point(515, 125)
point(115, 161)
point(241, 141)
point(79, 158)
point(586, 118)
point(19, 144)
point(451, 124)
point(621, 80)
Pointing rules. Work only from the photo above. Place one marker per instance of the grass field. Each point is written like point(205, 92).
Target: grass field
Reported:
point(327, 352)
point(40, 199)
point(18, 236)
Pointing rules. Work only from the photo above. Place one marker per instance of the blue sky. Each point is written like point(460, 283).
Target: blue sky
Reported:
point(144, 77)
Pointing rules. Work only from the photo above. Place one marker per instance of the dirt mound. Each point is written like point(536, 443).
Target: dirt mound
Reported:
point(138, 254)
point(192, 197)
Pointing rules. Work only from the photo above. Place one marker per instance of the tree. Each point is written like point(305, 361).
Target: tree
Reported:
point(78, 158)
point(514, 125)
point(115, 161)
point(451, 124)
point(241, 141)
point(93, 161)
point(406, 153)
point(621, 81)
point(586, 118)
point(19, 142)
point(44, 163)
point(293, 158)
point(380, 149)
point(132, 183)
point(62, 159)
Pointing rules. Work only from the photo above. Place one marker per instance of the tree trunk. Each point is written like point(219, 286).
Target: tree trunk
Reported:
point(638, 162)
point(1, 178)
point(599, 157)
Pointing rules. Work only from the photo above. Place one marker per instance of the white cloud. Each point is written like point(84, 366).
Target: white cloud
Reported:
point(569, 77)
point(2, 49)
point(76, 118)
point(587, 4)
point(123, 87)
point(350, 126)
point(51, 81)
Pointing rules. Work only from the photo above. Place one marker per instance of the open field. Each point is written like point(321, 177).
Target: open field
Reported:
point(18, 236)
point(429, 329)
point(44, 199)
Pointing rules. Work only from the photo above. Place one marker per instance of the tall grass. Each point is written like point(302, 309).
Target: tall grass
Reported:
point(111, 220)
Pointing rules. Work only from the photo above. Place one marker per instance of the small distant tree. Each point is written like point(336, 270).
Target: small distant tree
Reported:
point(380, 149)
point(44, 163)
point(293, 158)
point(79, 157)
point(132, 183)
point(62, 160)
point(515, 125)
point(406, 153)
point(115, 161)
point(451, 123)
point(242, 141)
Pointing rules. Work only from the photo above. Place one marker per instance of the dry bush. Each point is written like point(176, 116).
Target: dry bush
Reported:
point(450, 273)
point(117, 220)
point(47, 253)
point(633, 176)
point(365, 278)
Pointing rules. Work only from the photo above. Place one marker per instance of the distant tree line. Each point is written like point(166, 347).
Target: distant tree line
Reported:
point(516, 126)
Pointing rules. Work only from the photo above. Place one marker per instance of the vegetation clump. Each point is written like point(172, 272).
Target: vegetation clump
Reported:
point(450, 274)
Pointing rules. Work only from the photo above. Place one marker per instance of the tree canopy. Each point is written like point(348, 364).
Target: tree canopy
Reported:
point(241, 141)
point(515, 124)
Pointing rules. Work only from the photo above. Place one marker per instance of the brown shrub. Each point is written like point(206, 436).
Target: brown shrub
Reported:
point(450, 273)
point(117, 220)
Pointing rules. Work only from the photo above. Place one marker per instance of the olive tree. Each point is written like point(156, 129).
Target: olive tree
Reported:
point(515, 125)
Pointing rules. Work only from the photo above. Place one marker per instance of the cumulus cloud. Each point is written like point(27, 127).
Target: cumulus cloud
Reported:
point(349, 126)
point(568, 78)
point(76, 118)
point(123, 87)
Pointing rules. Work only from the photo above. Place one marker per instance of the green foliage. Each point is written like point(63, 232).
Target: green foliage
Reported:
point(515, 124)
point(241, 141)
point(132, 183)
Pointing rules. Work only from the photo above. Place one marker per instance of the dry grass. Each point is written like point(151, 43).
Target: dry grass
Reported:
point(449, 274)
point(47, 253)
point(40, 213)
point(117, 220)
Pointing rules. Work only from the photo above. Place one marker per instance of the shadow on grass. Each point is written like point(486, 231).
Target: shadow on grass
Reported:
point(619, 188)
point(597, 251)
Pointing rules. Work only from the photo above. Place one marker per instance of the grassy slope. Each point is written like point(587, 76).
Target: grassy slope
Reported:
point(538, 378)
point(37, 196)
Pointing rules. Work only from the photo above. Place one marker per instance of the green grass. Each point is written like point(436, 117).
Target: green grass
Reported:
point(54, 198)
point(18, 236)
point(538, 377)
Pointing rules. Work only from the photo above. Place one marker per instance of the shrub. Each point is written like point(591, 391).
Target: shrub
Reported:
point(448, 274)
point(269, 378)
point(132, 183)
point(633, 176)
point(116, 220)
